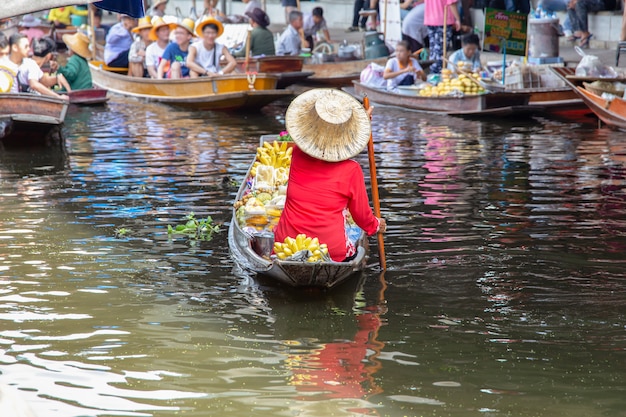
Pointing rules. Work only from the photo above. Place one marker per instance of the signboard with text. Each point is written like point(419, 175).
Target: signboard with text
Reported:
point(502, 26)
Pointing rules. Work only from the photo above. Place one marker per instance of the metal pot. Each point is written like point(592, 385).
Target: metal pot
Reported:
point(347, 51)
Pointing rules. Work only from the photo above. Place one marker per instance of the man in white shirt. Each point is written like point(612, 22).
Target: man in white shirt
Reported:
point(290, 41)
point(18, 50)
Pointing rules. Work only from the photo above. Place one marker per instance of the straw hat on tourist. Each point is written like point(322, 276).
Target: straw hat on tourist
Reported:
point(78, 43)
point(144, 23)
point(158, 23)
point(207, 21)
point(328, 124)
point(187, 24)
point(259, 16)
point(6, 79)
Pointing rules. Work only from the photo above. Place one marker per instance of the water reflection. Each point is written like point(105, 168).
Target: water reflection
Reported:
point(505, 291)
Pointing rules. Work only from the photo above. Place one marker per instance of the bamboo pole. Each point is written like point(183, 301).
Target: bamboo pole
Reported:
point(375, 196)
point(248, 38)
point(94, 45)
point(445, 32)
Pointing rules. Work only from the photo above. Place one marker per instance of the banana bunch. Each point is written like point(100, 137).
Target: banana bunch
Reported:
point(316, 252)
point(275, 154)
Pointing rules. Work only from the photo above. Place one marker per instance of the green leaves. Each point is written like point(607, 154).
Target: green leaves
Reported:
point(202, 229)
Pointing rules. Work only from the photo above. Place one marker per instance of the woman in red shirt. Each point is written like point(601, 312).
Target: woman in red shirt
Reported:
point(328, 127)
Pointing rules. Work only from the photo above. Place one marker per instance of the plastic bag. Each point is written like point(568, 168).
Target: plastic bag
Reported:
point(591, 66)
point(372, 76)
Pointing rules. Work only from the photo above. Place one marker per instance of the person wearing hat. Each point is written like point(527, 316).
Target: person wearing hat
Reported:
point(204, 55)
point(160, 37)
point(118, 42)
point(76, 70)
point(158, 9)
point(328, 127)
point(30, 76)
point(174, 60)
point(31, 27)
point(261, 39)
point(137, 52)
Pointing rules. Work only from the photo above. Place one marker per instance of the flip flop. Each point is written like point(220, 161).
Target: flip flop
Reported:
point(573, 38)
point(584, 42)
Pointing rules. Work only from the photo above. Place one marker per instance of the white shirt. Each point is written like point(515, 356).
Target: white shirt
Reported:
point(6, 62)
point(29, 70)
point(394, 65)
point(153, 55)
point(209, 59)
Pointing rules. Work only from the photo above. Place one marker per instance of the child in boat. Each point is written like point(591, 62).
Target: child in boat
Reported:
point(76, 70)
point(328, 127)
point(468, 57)
point(403, 69)
point(174, 61)
point(30, 76)
point(160, 36)
point(204, 55)
point(137, 52)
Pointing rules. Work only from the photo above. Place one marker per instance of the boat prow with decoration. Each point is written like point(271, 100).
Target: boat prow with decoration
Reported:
point(609, 108)
point(257, 210)
point(224, 92)
point(30, 119)
point(88, 96)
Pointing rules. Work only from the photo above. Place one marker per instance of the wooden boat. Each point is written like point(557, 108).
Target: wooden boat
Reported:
point(480, 105)
point(323, 275)
point(226, 92)
point(338, 73)
point(611, 111)
point(288, 69)
point(88, 97)
point(30, 119)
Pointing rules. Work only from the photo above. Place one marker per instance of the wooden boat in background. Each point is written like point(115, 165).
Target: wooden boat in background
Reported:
point(489, 104)
point(324, 275)
point(339, 73)
point(288, 69)
point(226, 92)
point(611, 111)
point(30, 119)
point(88, 97)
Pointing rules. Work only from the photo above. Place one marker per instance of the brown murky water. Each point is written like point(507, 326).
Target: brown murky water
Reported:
point(505, 294)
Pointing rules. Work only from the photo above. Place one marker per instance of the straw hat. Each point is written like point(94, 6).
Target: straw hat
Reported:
point(78, 43)
point(144, 23)
point(6, 79)
point(328, 124)
point(187, 24)
point(157, 3)
point(157, 23)
point(259, 16)
point(209, 20)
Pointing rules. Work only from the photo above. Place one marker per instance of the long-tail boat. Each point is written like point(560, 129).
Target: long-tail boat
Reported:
point(245, 251)
point(224, 92)
point(609, 109)
point(30, 119)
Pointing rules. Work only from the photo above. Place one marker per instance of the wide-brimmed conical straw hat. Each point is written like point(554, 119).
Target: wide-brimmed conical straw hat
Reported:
point(143, 23)
point(158, 23)
point(328, 124)
point(78, 43)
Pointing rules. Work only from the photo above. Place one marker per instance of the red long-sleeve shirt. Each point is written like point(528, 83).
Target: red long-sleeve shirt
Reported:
point(317, 194)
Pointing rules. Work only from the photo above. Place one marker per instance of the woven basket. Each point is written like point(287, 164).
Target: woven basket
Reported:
point(598, 91)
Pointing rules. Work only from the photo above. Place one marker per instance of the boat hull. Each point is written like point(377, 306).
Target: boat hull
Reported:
point(29, 119)
point(228, 92)
point(88, 97)
point(339, 73)
point(470, 105)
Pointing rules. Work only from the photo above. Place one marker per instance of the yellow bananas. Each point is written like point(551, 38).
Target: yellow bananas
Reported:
point(315, 251)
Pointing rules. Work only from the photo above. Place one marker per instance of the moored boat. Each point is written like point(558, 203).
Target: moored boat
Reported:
point(88, 97)
point(30, 119)
point(250, 246)
point(474, 105)
point(338, 73)
point(609, 109)
point(225, 92)
point(288, 69)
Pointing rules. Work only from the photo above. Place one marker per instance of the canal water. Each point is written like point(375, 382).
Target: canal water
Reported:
point(505, 293)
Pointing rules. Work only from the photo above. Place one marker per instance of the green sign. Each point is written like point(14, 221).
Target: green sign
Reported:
point(502, 28)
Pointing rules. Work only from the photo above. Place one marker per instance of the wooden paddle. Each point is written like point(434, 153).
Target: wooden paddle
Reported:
point(248, 38)
point(375, 197)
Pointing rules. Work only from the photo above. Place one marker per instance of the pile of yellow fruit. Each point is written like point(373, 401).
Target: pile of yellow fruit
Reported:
point(275, 154)
point(461, 85)
point(291, 246)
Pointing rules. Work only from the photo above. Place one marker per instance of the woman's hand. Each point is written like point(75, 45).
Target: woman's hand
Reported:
point(382, 225)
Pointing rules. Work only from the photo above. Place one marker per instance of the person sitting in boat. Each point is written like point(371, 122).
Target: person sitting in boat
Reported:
point(261, 39)
point(204, 55)
point(160, 37)
point(30, 76)
point(174, 60)
point(31, 27)
point(76, 70)
point(403, 69)
point(137, 52)
point(19, 49)
point(290, 42)
point(158, 9)
point(328, 127)
point(118, 42)
point(468, 57)
point(312, 24)
point(61, 17)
